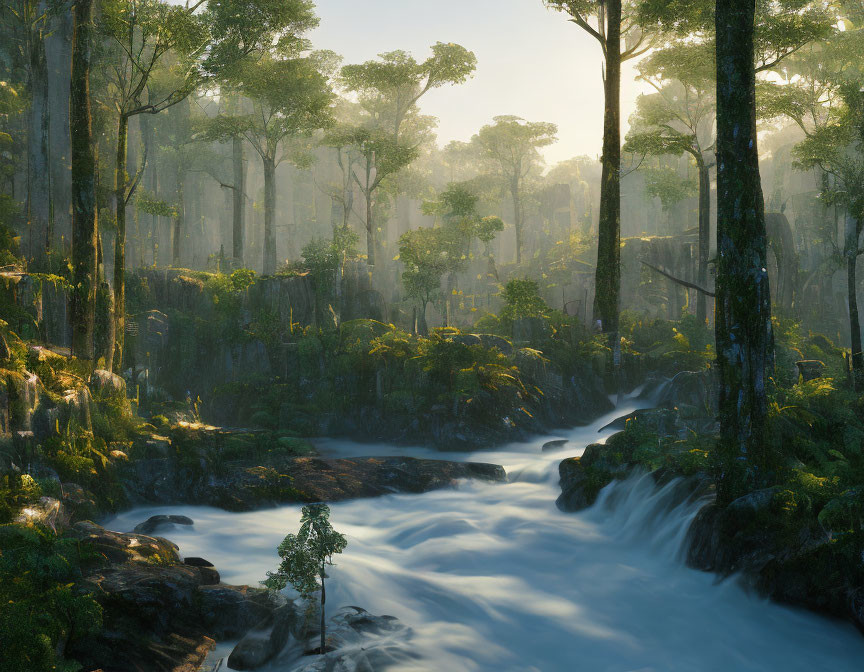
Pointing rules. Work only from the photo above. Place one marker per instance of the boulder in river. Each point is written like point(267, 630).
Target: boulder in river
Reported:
point(557, 444)
point(364, 642)
point(153, 523)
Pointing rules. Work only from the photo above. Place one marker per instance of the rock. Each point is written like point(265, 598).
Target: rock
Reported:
point(363, 642)
point(247, 485)
point(336, 479)
point(229, 612)
point(119, 455)
point(108, 386)
point(197, 562)
point(810, 369)
point(155, 522)
point(118, 547)
point(269, 637)
point(557, 444)
point(47, 511)
point(573, 480)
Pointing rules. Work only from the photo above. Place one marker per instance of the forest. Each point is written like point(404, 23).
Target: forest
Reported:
point(316, 362)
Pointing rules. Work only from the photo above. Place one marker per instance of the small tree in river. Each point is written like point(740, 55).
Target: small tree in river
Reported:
point(305, 556)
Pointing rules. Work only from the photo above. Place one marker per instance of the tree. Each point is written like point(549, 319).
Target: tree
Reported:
point(289, 97)
point(511, 144)
point(159, 53)
point(84, 211)
point(679, 118)
point(743, 333)
point(822, 96)
point(305, 557)
point(621, 39)
point(430, 253)
point(389, 89)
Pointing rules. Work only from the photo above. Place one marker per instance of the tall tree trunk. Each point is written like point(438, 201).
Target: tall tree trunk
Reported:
point(608, 274)
point(239, 195)
point(120, 241)
point(704, 239)
point(370, 223)
point(517, 217)
point(179, 219)
point(745, 349)
point(269, 216)
point(323, 600)
point(38, 168)
point(84, 212)
point(853, 234)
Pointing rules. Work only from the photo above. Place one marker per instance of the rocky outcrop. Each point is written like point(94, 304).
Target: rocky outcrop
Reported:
point(244, 486)
point(356, 640)
point(159, 614)
point(792, 561)
point(153, 523)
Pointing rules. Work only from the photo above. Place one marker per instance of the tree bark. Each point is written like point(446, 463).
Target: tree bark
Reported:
point(704, 239)
point(38, 168)
point(517, 217)
point(853, 234)
point(323, 600)
point(239, 196)
point(370, 224)
point(269, 216)
point(745, 351)
point(179, 223)
point(608, 274)
point(120, 242)
point(84, 212)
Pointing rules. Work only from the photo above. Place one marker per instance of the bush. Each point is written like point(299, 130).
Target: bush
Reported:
point(40, 604)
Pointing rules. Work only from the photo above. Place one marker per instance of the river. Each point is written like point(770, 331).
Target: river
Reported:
point(493, 577)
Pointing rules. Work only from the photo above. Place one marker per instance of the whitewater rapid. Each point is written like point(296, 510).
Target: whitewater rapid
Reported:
point(493, 577)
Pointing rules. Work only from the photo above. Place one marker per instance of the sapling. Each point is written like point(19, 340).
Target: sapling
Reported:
point(305, 556)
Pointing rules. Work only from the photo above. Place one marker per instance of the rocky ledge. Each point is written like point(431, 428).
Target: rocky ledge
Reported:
point(795, 561)
point(245, 486)
point(159, 614)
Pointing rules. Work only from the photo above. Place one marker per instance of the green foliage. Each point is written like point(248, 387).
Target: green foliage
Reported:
point(41, 607)
point(306, 554)
point(522, 300)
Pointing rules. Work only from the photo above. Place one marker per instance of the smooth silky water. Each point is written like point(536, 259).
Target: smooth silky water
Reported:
point(494, 577)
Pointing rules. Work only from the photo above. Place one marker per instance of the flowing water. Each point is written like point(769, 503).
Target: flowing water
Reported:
point(493, 577)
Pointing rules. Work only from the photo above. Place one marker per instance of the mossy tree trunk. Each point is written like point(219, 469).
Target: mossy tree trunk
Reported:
point(517, 212)
point(120, 179)
point(84, 211)
point(854, 228)
point(269, 215)
point(238, 199)
point(179, 218)
point(743, 316)
point(608, 273)
point(38, 168)
point(704, 238)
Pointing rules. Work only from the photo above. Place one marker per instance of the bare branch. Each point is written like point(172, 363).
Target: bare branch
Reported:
point(683, 283)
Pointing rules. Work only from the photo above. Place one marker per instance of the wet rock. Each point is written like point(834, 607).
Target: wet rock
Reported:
point(573, 481)
point(228, 612)
point(119, 547)
point(197, 562)
point(270, 637)
point(246, 486)
point(153, 523)
point(557, 444)
point(336, 479)
point(363, 642)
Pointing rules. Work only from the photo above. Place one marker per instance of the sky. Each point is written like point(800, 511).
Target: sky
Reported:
point(532, 63)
